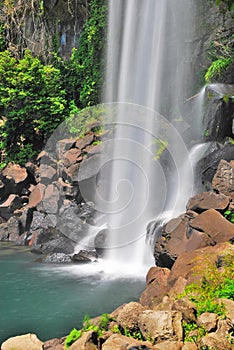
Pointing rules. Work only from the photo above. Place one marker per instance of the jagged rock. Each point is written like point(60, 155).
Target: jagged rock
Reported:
point(70, 224)
point(14, 177)
point(178, 237)
point(214, 225)
point(208, 200)
point(71, 156)
point(156, 286)
point(120, 342)
point(191, 265)
point(67, 190)
point(57, 245)
point(23, 342)
point(225, 327)
point(54, 344)
point(161, 325)
point(88, 341)
point(186, 307)
point(46, 158)
point(36, 195)
point(178, 287)
point(46, 174)
point(215, 341)
point(25, 216)
point(223, 181)
point(51, 199)
point(9, 205)
point(63, 146)
point(85, 256)
point(57, 258)
point(128, 316)
point(208, 321)
point(100, 242)
point(169, 345)
point(85, 141)
point(11, 231)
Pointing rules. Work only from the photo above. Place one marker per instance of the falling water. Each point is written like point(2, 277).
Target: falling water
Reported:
point(149, 77)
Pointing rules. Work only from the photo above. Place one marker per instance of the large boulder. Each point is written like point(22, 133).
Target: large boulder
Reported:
point(156, 288)
point(128, 316)
point(161, 325)
point(23, 342)
point(208, 200)
point(191, 265)
point(9, 205)
point(88, 341)
point(14, 177)
point(213, 224)
point(54, 344)
point(223, 181)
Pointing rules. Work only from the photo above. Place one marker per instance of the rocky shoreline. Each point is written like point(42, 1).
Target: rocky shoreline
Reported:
point(188, 246)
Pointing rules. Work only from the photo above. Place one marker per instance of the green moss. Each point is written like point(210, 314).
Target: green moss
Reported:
point(217, 68)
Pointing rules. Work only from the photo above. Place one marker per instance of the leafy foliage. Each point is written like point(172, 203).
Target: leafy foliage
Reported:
point(217, 67)
point(32, 104)
point(72, 337)
point(229, 215)
point(188, 328)
point(215, 284)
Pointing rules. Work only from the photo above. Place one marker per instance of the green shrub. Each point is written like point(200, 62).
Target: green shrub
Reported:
point(72, 337)
point(217, 68)
point(189, 327)
point(229, 215)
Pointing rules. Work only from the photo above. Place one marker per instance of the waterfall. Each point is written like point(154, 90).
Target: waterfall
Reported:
point(149, 77)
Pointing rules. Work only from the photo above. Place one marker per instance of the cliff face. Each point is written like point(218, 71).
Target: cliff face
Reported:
point(45, 26)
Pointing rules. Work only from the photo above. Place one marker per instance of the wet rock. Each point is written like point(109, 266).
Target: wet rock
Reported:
point(223, 181)
point(128, 316)
point(214, 225)
point(57, 258)
point(156, 285)
point(178, 237)
point(85, 256)
point(207, 166)
point(161, 325)
point(208, 321)
point(9, 205)
point(100, 242)
point(23, 342)
point(208, 200)
point(57, 245)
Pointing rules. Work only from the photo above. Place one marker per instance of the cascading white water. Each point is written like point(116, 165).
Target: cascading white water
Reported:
point(149, 76)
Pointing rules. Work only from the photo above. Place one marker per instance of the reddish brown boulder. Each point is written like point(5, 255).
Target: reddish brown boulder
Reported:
point(9, 205)
point(120, 342)
point(128, 316)
point(85, 141)
point(156, 286)
point(208, 200)
point(215, 225)
point(71, 156)
point(191, 265)
point(36, 196)
point(14, 177)
point(178, 237)
point(88, 341)
point(223, 181)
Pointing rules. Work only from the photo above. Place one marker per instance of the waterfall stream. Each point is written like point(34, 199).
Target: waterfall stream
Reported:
point(149, 77)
